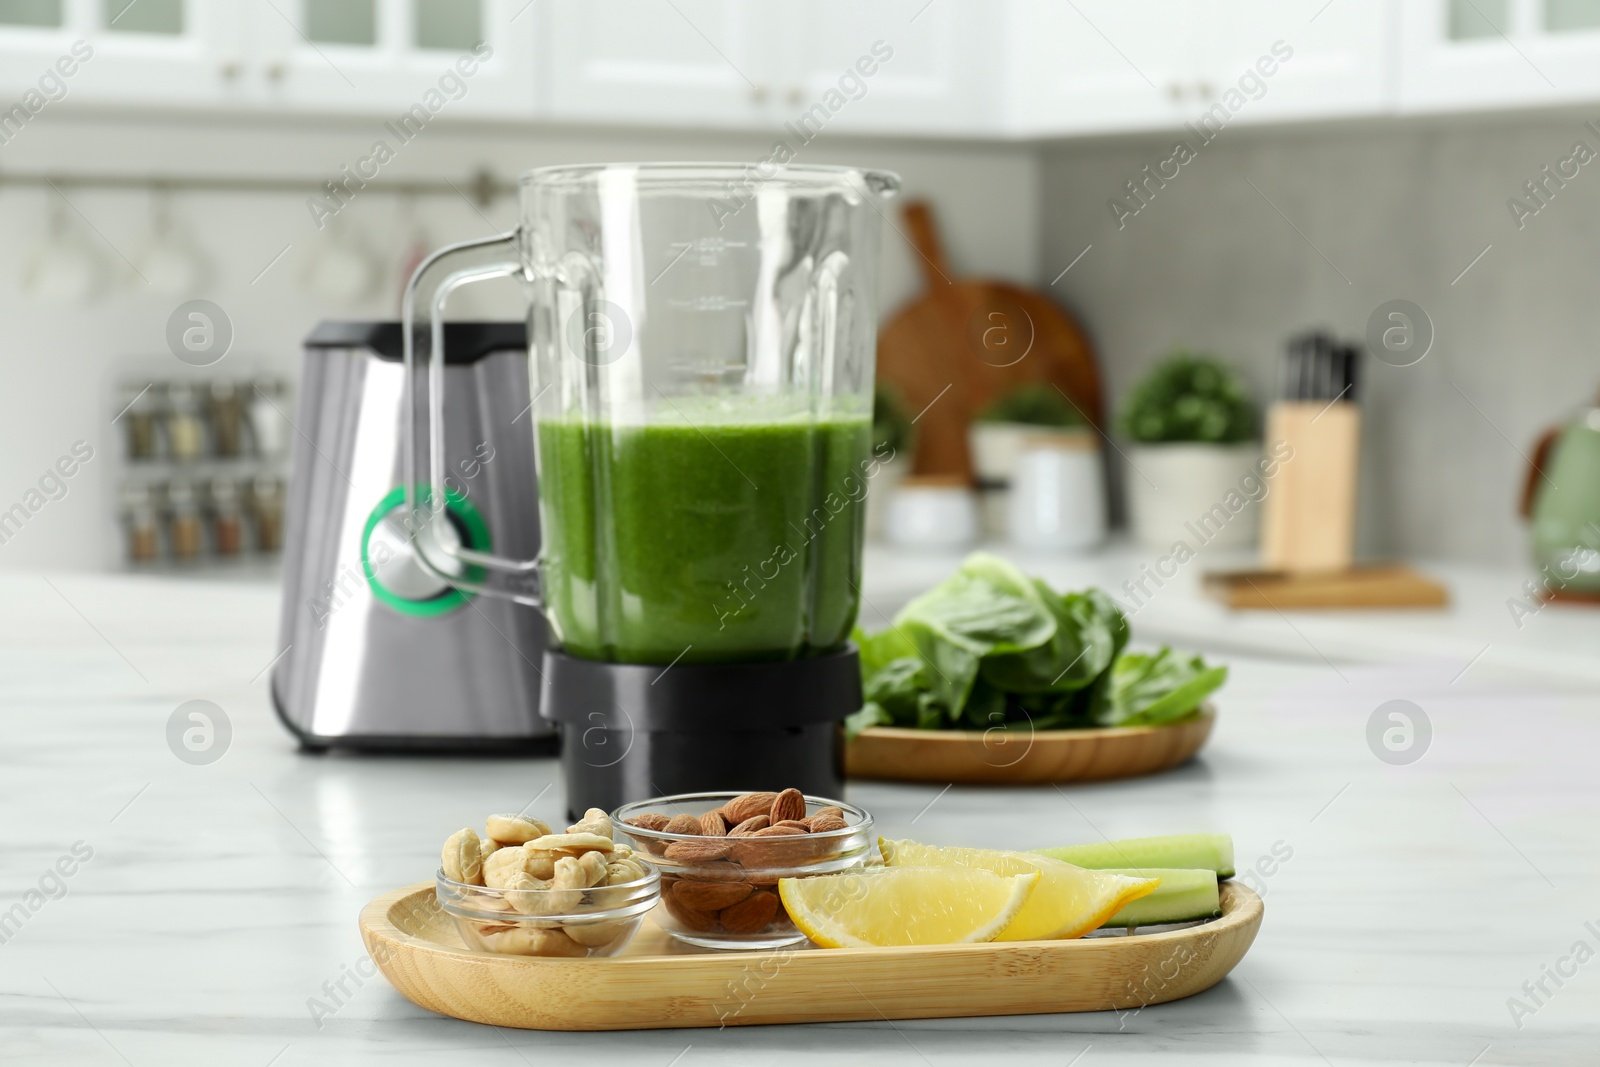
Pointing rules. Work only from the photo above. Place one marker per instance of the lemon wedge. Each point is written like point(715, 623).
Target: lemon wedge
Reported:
point(950, 905)
point(1068, 901)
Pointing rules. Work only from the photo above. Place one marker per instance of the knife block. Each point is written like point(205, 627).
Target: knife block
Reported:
point(1309, 517)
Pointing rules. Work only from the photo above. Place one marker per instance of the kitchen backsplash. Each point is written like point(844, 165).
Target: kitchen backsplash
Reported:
point(1265, 232)
point(1256, 235)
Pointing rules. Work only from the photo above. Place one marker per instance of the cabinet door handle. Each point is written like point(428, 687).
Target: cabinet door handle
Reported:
point(759, 94)
point(275, 71)
point(1175, 91)
point(797, 96)
point(230, 69)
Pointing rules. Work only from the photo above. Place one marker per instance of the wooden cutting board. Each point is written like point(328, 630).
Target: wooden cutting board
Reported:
point(965, 342)
point(1383, 586)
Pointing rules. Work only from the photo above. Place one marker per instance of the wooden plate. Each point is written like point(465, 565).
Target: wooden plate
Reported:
point(1044, 756)
point(656, 982)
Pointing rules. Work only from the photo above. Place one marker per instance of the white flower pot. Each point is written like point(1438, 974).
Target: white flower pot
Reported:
point(1204, 495)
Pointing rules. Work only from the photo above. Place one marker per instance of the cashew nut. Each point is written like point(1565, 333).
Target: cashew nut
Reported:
point(594, 821)
point(503, 865)
point(515, 829)
point(461, 858)
point(574, 843)
point(595, 934)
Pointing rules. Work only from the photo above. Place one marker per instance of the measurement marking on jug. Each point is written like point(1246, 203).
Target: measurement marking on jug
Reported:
point(669, 266)
point(708, 250)
point(708, 303)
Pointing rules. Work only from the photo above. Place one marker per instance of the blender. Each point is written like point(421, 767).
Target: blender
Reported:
point(701, 343)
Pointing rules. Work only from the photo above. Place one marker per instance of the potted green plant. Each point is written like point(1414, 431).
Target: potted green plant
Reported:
point(1194, 431)
point(1032, 417)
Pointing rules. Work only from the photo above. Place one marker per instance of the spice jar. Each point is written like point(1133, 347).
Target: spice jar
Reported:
point(185, 532)
point(227, 517)
point(142, 524)
point(227, 419)
point(140, 404)
point(269, 423)
point(185, 432)
point(266, 506)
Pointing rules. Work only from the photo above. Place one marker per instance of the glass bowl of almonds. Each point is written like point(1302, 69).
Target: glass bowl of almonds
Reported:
point(721, 855)
point(522, 889)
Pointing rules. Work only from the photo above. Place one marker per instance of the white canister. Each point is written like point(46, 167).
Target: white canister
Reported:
point(932, 511)
point(1058, 494)
point(994, 447)
point(1197, 493)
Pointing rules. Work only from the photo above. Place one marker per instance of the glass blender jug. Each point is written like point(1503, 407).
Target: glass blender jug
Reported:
point(701, 339)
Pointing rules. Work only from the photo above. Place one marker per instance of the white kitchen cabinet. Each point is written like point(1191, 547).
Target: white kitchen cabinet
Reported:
point(1001, 69)
point(1341, 57)
point(896, 66)
point(167, 52)
point(1104, 66)
point(1099, 66)
point(1459, 55)
point(683, 62)
point(451, 57)
point(378, 57)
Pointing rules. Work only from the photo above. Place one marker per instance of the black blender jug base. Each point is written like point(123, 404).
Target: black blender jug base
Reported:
point(632, 731)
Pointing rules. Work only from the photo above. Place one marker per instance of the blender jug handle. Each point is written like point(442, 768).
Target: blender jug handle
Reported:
point(431, 284)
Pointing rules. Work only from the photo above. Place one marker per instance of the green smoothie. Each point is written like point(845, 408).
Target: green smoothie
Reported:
point(735, 539)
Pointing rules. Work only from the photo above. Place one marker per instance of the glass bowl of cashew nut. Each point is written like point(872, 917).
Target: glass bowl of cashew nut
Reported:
point(525, 890)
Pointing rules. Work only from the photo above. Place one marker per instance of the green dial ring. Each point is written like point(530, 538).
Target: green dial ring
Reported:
point(476, 531)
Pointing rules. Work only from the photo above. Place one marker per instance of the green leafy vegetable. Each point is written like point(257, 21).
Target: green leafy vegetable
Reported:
point(1155, 689)
point(990, 646)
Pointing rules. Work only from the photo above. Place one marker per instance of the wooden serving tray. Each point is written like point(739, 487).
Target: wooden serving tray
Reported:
point(976, 756)
point(658, 982)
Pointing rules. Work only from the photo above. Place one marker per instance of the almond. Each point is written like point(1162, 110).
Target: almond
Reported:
point(772, 847)
point(787, 805)
point(701, 921)
point(798, 824)
point(712, 824)
point(683, 824)
point(830, 810)
point(746, 806)
point(650, 820)
point(821, 824)
point(749, 826)
point(702, 851)
point(709, 896)
point(755, 912)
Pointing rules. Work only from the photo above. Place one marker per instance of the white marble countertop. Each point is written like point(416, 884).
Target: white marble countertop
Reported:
point(220, 901)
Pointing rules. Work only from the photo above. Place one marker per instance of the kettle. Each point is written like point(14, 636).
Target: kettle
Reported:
point(1561, 500)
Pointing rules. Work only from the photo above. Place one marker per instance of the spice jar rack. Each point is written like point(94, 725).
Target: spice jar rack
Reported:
point(204, 470)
